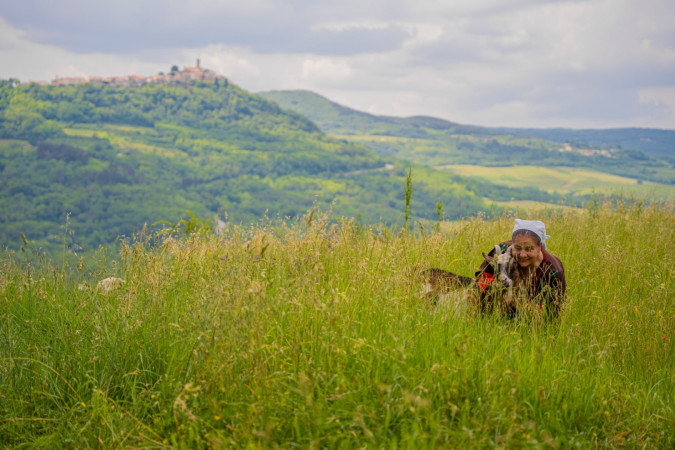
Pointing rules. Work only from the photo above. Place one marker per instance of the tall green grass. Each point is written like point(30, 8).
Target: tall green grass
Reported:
point(314, 334)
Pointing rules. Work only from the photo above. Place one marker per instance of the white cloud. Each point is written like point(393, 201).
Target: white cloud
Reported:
point(29, 61)
point(325, 70)
point(661, 101)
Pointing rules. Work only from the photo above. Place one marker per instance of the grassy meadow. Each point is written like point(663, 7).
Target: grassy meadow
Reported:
point(313, 334)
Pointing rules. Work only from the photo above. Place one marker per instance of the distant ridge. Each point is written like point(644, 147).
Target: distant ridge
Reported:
point(641, 154)
point(338, 119)
point(654, 141)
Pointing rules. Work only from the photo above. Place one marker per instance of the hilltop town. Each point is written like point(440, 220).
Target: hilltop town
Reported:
point(175, 76)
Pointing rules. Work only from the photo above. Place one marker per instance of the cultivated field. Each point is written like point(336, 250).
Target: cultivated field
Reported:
point(313, 334)
point(565, 180)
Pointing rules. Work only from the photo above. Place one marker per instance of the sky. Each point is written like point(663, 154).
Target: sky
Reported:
point(511, 63)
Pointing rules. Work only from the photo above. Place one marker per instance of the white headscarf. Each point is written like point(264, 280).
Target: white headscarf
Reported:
point(535, 226)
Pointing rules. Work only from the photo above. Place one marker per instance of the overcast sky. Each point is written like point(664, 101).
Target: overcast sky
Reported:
point(522, 63)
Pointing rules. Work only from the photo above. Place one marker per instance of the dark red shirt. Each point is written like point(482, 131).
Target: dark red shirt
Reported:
point(549, 286)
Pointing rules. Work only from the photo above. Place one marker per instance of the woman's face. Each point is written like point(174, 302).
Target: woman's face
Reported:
point(527, 251)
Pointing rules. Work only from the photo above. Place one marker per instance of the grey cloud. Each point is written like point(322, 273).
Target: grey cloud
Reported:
point(592, 105)
point(600, 95)
point(451, 51)
point(332, 42)
point(478, 40)
point(125, 28)
point(446, 52)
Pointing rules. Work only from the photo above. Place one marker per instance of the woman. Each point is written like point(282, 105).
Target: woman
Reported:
point(538, 277)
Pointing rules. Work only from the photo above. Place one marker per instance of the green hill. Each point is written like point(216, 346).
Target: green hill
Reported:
point(435, 142)
point(81, 165)
point(337, 119)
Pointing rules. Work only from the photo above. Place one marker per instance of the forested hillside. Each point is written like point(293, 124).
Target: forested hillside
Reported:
point(641, 154)
point(82, 165)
